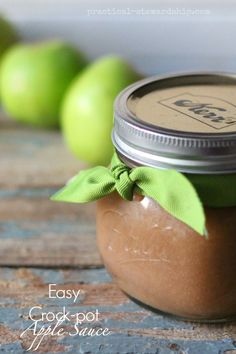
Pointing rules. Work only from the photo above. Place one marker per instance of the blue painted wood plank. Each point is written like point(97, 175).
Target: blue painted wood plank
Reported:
point(134, 329)
point(33, 158)
point(35, 231)
point(38, 232)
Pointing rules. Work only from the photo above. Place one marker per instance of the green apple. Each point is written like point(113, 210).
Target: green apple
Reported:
point(34, 78)
point(8, 35)
point(87, 109)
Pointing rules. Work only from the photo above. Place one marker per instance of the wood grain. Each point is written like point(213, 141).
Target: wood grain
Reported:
point(35, 231)
point(38, 232)
point(34, 158)
point(134, 329)
point(56, 242)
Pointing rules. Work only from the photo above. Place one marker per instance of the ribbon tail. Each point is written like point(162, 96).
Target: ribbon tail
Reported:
point(174, 193)
point(87, 186)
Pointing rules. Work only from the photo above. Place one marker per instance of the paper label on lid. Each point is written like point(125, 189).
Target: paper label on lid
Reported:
point(212, 111)
point(189, 108)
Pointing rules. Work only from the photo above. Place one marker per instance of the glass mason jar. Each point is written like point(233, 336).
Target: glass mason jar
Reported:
point(186, 123)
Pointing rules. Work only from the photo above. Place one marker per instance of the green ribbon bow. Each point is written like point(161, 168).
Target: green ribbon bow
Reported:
point(170, 189)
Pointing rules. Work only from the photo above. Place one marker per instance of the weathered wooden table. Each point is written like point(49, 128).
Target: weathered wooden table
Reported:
point(44, 242)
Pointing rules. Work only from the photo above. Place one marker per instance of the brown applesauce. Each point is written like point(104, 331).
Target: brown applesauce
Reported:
point(163, 263)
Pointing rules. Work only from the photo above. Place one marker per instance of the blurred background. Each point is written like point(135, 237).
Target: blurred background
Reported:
point(63, 62)
point(156, 36)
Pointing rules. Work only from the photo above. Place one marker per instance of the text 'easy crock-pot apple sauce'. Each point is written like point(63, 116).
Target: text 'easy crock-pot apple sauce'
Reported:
point(166, 206)
point(186, 123)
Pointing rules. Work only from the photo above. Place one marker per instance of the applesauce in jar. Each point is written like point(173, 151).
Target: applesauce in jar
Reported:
point(156, 259)
point(187, 124)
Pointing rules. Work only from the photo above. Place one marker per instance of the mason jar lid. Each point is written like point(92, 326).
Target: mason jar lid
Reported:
point(182, 122)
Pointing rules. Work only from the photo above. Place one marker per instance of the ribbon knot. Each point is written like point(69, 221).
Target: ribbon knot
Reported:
point(170, 189)
point(123, 184)
point(118, 169)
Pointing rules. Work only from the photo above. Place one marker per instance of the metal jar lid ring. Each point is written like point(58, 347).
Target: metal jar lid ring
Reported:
point(185, 122)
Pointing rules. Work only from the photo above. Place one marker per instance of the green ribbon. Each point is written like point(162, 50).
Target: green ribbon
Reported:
point(215, 191)
point(170, 189)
